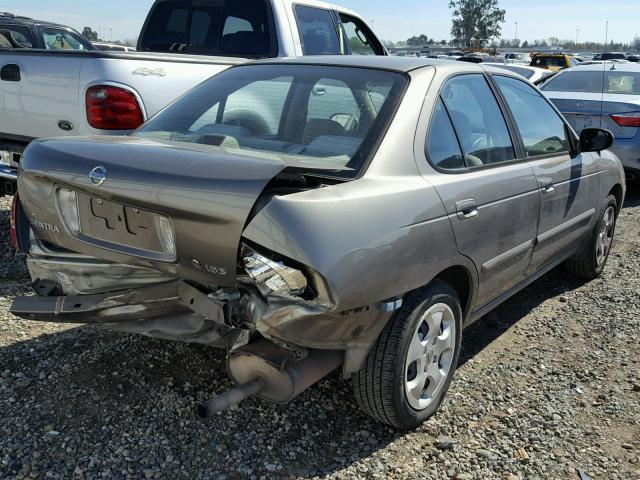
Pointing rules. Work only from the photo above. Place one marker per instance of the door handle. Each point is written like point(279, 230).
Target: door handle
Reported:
point(546, 185)
point(467, 209)
point(10, 73)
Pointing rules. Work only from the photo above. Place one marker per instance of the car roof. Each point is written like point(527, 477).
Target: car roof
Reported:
point(598, 67)
point(392, 63)
point(6, 17)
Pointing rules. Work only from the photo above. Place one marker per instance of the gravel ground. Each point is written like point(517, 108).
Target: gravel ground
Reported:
point(548, 383)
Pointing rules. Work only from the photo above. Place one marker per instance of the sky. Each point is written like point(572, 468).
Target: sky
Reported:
point(392, 20)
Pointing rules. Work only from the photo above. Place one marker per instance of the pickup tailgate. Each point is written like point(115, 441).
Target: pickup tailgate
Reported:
point(49, 98)
point(177, 208)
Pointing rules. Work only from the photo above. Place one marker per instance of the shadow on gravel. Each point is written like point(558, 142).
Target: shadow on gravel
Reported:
point(493, 325)
point(633, 195)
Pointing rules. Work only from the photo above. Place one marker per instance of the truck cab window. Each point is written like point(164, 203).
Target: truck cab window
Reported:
point(318, 32)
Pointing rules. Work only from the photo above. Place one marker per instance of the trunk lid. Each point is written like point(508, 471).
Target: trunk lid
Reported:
point(583, 112)
point(204, 195)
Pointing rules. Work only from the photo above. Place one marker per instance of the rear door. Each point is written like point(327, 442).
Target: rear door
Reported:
point(490, 196)
point(568, 184)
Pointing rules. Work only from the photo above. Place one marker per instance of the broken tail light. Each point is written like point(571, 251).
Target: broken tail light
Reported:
point(112, 108)
point(276, 276)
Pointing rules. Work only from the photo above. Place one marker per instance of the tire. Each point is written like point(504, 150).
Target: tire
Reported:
point(383, 387)
point(589, 262)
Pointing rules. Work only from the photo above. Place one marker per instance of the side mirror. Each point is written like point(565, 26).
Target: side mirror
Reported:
point(595, 139)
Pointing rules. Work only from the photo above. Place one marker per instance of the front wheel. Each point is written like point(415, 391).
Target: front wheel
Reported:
point(590, 261)
point(410, 368)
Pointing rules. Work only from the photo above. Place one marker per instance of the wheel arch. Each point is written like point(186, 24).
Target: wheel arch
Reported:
point(618, 192)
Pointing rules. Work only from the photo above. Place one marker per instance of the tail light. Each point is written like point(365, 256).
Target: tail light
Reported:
point(627, 119)
point(13, 232)
point(112, 108)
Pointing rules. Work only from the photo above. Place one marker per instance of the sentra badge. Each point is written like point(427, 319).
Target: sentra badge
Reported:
point(40, 225)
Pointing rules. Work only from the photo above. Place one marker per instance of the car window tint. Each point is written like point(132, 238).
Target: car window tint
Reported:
point(20, 34)
point(318, 32)
point(442, 146)
point(575, 81)
point(361, 40)
point(622, 83)
point(540, 127)
point(220, 27)
point(478, 120)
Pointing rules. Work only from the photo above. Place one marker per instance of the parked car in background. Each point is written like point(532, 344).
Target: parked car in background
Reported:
point(610, 56)
point(533, 74)
point(113, 47)
point(210, 223)
point(553, 61)
point(50, 91)
point(22, 32)
point(518, 58)
point(604, 95)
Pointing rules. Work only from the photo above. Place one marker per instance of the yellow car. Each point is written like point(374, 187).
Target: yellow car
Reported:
point(553, 61)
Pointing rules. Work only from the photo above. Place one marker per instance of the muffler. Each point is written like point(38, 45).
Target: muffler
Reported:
point(267, 370)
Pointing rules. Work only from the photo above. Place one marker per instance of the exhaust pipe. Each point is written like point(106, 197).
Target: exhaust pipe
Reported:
point(267, 370)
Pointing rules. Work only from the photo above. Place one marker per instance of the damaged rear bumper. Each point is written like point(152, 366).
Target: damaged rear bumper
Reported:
point(137, 304)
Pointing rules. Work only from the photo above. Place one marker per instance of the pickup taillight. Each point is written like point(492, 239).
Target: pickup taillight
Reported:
point(112, 108)
point(13, 232)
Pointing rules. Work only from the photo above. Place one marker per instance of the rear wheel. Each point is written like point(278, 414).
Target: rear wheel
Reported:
point(590, 261)
point(410, 368)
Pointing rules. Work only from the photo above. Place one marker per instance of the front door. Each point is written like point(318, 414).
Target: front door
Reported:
point(491, 198)
point(568, 184)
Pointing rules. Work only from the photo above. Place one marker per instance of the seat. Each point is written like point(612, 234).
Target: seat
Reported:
point(317, 127)
point(11, 38)
point(470, 142)
point(245, 43)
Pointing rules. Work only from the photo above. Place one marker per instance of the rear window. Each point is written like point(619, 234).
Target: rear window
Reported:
point(618, 82)
point(575, 81)
point(316, 117)
point(231, 28)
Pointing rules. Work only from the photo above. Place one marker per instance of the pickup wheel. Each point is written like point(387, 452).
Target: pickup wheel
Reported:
point(410, 367)
point(590, 260)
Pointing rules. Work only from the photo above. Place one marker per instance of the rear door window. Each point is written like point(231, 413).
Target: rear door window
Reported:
point(541, 128)
point(20, 33)
point(478, 121)
point(360, 39)
point(318, 31)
